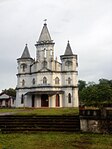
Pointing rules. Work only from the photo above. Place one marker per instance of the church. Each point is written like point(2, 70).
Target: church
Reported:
point(44, 81)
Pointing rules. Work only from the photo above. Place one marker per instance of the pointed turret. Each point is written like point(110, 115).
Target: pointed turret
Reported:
point(68, 50)
point(45, 36)
point(25, 61)
point(26, 53)
point(69, 60)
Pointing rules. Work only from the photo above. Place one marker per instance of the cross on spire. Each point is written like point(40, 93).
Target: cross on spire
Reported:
point(45, 20)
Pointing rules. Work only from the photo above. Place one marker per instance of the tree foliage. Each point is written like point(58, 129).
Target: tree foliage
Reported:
point(81, 84)
point(96, 94)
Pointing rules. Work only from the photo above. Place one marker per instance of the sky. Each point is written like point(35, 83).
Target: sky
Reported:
point(87, 24)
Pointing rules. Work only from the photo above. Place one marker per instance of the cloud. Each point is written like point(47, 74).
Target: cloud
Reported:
point(87, 24)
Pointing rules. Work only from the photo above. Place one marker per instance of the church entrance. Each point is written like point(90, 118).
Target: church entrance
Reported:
point(33, 100)
point(57, 100)
point(44, 100)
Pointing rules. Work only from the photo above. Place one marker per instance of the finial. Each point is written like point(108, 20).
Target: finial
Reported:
point(45, 21)
point(26, 44)
point(68, 41)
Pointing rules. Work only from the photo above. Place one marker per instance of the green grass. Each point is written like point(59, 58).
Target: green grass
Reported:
point(5, 110)
point(55, 141)
point(42, 111)
point(50, 111)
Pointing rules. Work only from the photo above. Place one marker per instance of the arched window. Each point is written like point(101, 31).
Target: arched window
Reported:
point(44, 80)
point(57, 100)
point(22, 99)
point(69, 80)
point(69, 98)
point(33, 81)
point(23, 82)
point(56, 80)
point(68, 63)
point(23, 66)
point(44, 63)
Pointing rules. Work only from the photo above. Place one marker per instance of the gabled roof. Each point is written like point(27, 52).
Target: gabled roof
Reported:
point(44, 70)
point(26, 53)
point(45, 35)
point(68, 50)
point(4, 96)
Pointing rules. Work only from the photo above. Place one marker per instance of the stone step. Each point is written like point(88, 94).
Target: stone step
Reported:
point(40, 126)
point(39, 120)
point(14, 124)
point(14, 130)
point(39, 123)
point(39, 116)
point(47, 119)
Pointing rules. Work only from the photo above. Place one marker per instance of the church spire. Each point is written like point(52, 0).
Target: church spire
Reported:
point(68, 50)
point(26, 53)
point(45, 35)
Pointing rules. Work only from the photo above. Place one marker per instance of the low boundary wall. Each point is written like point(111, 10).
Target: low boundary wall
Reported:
point(96, 120)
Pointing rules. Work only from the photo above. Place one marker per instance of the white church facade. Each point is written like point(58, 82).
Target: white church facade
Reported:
point(45, 82)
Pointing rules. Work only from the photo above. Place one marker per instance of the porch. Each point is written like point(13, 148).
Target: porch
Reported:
point(38, 99)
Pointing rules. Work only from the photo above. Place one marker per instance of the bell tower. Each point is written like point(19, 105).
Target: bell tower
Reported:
point(69, 77)
point(44, 46)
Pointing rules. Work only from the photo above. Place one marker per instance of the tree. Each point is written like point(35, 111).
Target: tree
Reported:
point(81, 84)
point(105, 91)
point(97, 94)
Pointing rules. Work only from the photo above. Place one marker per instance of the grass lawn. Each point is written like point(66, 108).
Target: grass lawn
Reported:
point(50, 111)
point(53, 140)
point(5, 110)
point(42, 111)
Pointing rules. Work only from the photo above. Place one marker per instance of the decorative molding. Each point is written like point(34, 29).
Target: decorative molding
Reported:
point(19, 74)
point(45, 86)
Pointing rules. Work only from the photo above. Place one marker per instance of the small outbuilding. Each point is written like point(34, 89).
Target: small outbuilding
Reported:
point(6, 100)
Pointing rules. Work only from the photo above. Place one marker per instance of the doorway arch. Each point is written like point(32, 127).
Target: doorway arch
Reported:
point(44, 100)
point(57, 100)
point(33, 101)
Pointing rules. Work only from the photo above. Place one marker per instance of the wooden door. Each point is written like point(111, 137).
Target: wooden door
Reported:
point(33, 100)
point(44, 100)
point(57, 100)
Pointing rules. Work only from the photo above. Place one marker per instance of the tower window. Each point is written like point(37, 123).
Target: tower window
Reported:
point(44, 63)
point(56, 80)
point(23, 82)
point(69, 80)
point(23, 66)
point(33, 81)
point(68, 63)
point(69, 98)
point(44, 80)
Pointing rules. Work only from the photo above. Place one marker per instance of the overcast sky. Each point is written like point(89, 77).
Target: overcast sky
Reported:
point(87, 24)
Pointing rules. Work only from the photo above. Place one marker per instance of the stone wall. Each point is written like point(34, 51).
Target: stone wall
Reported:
point(96, 120)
